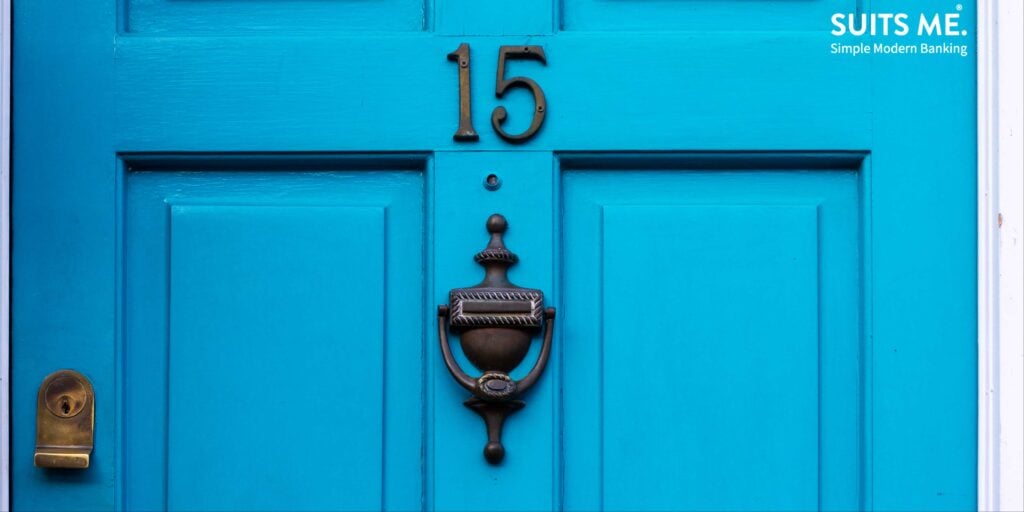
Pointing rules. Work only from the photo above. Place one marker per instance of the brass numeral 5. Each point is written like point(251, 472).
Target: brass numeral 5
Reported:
point(465, 131)
point(501, 85)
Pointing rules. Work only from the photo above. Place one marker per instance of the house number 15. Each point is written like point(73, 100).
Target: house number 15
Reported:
point(466, 132)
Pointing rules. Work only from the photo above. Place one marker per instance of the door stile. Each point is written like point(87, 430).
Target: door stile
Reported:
point(558, 361)
point(64, 311)
point(462, 480)
point(923, 324)
point(866, 363)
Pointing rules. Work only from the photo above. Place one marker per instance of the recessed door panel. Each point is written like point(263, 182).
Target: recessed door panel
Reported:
point(712, 321)
point(272, 339)
point(711, 335)
point(241, 17)
point(272, 347)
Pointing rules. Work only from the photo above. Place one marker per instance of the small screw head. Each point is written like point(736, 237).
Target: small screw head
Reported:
point(492, 182)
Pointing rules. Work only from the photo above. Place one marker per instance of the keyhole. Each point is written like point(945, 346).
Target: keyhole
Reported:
point(66, 395)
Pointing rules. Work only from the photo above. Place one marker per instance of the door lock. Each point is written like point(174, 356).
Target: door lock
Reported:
point(65, 413)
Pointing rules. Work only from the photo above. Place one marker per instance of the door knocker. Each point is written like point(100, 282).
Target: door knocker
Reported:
point(497, 321)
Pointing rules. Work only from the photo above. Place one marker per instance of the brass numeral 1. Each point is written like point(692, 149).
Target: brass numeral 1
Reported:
point(465, 132)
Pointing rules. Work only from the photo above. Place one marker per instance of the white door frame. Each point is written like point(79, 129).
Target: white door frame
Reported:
point(5, 253)
point(1000, 255)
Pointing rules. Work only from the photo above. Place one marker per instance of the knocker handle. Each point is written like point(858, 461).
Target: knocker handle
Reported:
point(470, 383)
point(545, 353)
point(461, 377)
point(495, 395)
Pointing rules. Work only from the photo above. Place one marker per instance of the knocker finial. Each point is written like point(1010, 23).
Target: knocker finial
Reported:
point(496, 258)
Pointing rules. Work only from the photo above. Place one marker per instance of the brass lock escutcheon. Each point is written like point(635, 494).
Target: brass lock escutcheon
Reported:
point(65, 414)
point(496, 321)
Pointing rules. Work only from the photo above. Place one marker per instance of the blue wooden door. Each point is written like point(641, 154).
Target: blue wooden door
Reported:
point(237, 217)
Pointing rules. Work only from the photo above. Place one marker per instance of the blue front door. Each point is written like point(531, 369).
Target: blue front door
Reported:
point(237, 219)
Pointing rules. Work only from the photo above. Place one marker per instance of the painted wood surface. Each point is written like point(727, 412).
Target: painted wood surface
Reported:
point(315, 337)
point(762, 256)
point(726, 373)
point(725, 91)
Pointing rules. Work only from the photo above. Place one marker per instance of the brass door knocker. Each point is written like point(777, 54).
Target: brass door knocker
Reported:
point(497, 321)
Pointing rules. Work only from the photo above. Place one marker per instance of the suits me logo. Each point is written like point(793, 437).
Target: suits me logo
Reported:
point(899, 24)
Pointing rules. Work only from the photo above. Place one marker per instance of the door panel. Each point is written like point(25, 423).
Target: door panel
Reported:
point(725, 370)
point(240, 17)
point(273, 333)
point(324, 295)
